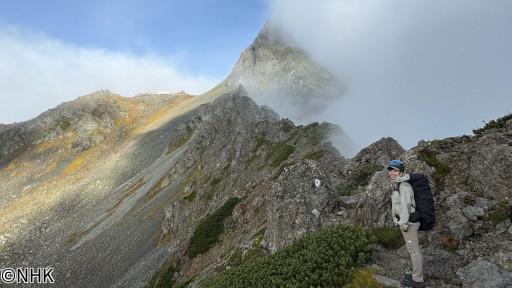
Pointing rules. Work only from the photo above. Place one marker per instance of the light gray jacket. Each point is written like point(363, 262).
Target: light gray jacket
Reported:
point(402, 202)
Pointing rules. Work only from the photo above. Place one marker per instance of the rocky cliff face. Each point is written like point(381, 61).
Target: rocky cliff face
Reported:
point(267, 162)
point(3, 127)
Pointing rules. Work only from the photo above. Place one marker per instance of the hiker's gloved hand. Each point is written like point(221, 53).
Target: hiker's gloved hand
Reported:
point(404, 227)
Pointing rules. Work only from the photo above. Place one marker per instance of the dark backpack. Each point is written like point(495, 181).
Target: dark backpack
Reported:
point(424, 201)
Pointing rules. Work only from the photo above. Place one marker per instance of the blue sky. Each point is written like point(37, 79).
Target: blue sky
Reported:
point(205, 36)
point(56, 51)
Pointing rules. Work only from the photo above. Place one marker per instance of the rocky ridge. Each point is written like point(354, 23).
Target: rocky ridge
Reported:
point(285, 204)
point(270, 165)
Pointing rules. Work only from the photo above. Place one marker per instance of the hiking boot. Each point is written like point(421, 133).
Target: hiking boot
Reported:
point(407, 276)
point(412, 283)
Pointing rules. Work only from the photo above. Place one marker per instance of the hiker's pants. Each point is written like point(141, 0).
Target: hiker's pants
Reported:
point(411, 241)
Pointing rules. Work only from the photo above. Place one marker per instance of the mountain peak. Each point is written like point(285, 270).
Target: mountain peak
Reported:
point(272, 35)
point(277, 72)
point(380, 152)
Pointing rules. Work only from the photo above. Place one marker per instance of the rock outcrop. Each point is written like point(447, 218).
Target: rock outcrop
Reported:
point(484, 274)
point(268, 162)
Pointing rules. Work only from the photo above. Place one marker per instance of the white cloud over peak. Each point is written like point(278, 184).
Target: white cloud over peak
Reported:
point(38, 72)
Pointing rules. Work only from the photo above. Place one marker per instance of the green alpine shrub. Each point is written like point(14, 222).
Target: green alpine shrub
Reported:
point(325, 258)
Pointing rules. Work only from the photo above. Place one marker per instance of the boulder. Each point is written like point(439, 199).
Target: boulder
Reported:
point(374, 206)
point(350, 201)
point(386, 281)
point(473, 212)
point(456, 222)
point(504, 259)
point(297, 208)
point(439, 263)
point(492, 160)
point(342, 213)
point(483, 203)
point(484, 274)
point(502, 227)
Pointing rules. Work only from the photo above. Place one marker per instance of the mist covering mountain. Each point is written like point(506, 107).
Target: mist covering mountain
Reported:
point(110, 191)
point(277, 72)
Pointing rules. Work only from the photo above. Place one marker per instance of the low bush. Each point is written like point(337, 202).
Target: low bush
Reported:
point(164, 276)
point(388, 237)
point(190, 197)
point(448, 242)
point(499, 213)
point(429, 156)
point(498, 123)
point(363, 278)
point(315, 155)
point(209, 230)
point(361, 178)
point(325, 258)
point(280, 152)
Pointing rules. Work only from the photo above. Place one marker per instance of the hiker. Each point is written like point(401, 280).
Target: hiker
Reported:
point(403, 208)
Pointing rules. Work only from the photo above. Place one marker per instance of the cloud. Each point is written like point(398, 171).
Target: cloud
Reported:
point(38, 73)
point(411, 69)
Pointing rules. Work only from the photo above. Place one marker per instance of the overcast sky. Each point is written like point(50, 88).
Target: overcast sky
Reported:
point(411, 69)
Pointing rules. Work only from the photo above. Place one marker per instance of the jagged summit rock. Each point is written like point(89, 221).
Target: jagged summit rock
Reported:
point(380, 152)
point(276, 71)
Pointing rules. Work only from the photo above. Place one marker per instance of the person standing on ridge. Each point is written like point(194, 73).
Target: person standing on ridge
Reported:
point(404, 216)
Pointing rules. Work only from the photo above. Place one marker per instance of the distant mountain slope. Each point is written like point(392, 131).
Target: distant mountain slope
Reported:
point(50, 144)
